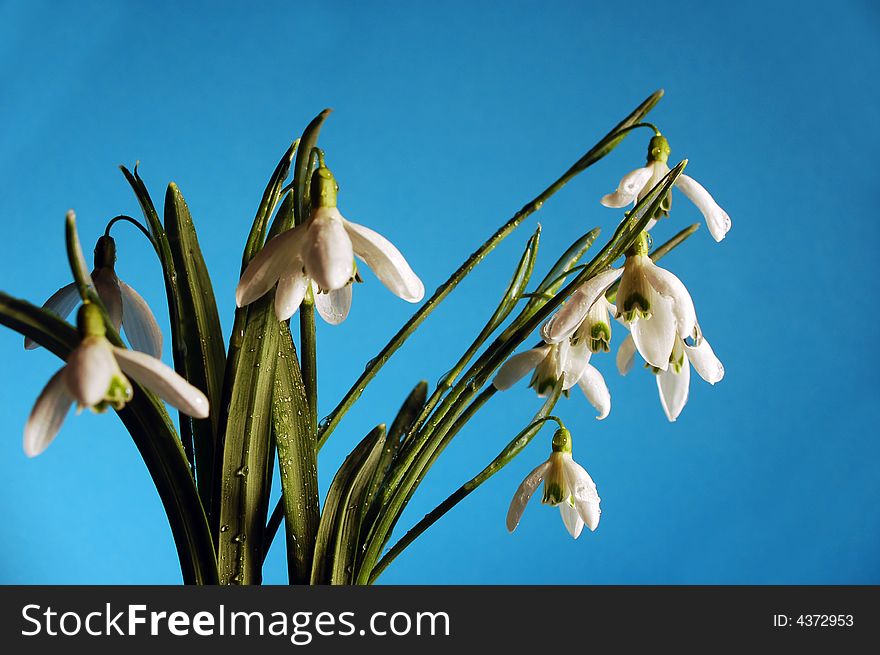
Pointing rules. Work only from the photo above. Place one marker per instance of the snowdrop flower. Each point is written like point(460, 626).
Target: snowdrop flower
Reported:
point(566, 485)
point(95, 377)
point(568, 361)
point(588, 301)
point(674, 383)
point(639, 182)
point(125, 306)
point(320, 253)
point(655, 305)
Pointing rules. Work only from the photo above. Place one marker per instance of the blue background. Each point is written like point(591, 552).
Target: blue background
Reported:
point(448, 118)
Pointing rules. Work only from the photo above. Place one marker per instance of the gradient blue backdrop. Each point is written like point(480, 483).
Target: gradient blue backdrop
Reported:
point(448, 118)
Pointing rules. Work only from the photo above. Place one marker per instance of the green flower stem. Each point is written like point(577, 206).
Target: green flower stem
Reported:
point(422, 451)
point(512, 295)
point(308, 357)
point(517, 444)
point(597, 152)
point(133, 221)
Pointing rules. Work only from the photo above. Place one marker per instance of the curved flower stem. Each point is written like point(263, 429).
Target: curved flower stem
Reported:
point(594, 154)
point(133, 221)
point(516, 445)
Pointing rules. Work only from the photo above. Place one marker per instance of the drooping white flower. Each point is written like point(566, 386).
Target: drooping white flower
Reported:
point(639, 182)
point(95, 377)
point(568, 361)
point(566, 485)
point(673, 384)
point(320, 252)
point(589, 297)
point(655, 305)
point(125, 306)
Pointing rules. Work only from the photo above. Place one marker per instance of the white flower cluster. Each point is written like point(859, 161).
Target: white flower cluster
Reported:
point(656, 309)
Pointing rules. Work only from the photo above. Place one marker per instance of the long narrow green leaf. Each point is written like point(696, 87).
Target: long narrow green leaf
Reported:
point(268, 203)
point(301, 174)
point(335, 503)
point(507, 454)
point(602, 148)
point(353, 505)
point(199, 329)
point(450, 414)
point(172, 293)
point(246, 451)
point(297, 458)
point(153, 434)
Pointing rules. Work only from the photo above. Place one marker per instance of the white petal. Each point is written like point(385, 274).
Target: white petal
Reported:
point(107, 286)
point(669, 286)
point(47, 416)
point(629, 187)
point(515, 368)
point(626, 355)
point(139, 323)
point(61, 303)
point(572, 520)
point(673, 389)
point(327, 251)
point(279, 255)
point(565, 321)
point(717, 219)
point(655, 337)
point(593, 385)
point(708, 366)
point(523, 495)
point(386, 262)
point(90, 368)
point(573, 360)
point(583, 493)
point(163, 381)
point(290, 293)
point(334, 306)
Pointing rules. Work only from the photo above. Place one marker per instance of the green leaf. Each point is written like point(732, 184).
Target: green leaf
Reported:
point(302, 176)
point(340, 519)
point(198, 327)
point(147, 206)
point(244, 438)
point(602, 148)
point(153, 434)
point(297, 458)
point(519, 442)
point(268, 202)
point(246, 452)
point(42, 326)
point(78, 267)
point(172, 294)
point(553, 281)
point(397, 434)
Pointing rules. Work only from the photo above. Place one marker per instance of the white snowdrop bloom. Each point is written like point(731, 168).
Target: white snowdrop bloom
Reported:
point(320, 253)
point(655, 305)
point(589, 297)
point(566, 485)
point(673, 383)
point(95, 377)
point(125, 306)
point(568, 361)
point(639, 182)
